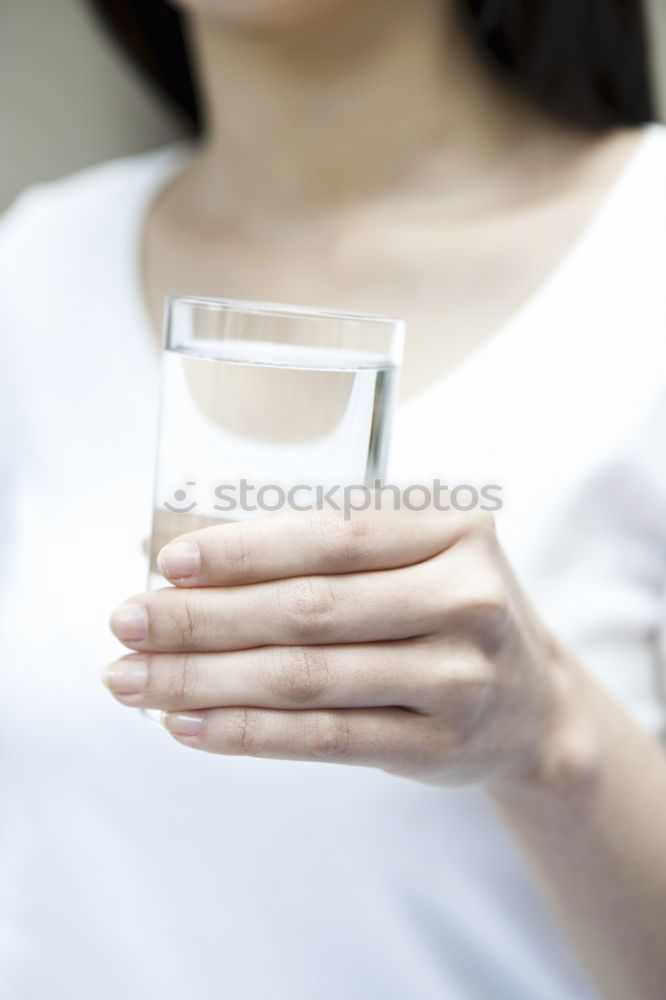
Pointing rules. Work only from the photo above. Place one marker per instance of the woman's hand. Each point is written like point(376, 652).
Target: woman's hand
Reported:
point(401, 640)
point(394, 639)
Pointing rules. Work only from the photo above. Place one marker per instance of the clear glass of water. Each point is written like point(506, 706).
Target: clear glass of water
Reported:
point(260, 405)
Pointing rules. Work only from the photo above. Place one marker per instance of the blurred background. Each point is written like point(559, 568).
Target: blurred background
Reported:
point(67, 100)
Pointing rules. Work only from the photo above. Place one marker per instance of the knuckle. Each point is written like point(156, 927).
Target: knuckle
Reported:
point(182, 620)
point(237, 548)
point(479, 677)
point(492, 611)
point(463, 677)
point(471, 684)
point(484, 611)
point(451, 741)
point(241, 735)
point(329, 737)
point(482, 524)
point(300, 674)
point(345, 540)
point(181, 684)
point(490, 600)
point(307, 607)
point(466, 707)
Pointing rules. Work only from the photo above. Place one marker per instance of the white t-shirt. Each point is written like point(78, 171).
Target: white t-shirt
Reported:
point(131, 867)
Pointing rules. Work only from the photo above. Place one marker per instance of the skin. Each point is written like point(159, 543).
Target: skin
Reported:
point(401, 640)
point(430, 183)
point(376, 146)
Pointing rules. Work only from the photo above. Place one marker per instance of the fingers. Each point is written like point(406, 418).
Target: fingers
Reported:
point(373, 737)
point(361, 607)
point(280, 677)
point(291, 544)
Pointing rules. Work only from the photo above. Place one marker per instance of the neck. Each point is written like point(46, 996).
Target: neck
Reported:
point(384, 98)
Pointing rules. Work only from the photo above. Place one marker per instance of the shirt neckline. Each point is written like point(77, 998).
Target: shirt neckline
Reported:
point(169, 161)
point(558, 276)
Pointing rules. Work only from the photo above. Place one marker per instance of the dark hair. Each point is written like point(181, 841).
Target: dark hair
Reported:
point(583, 61)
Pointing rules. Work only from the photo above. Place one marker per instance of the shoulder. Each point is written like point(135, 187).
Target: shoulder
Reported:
point(94, 187)
point(620, 288)
point(640, 196)
point(47, 221)
point(654, 149)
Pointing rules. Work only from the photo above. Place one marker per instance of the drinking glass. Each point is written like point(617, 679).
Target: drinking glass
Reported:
point(263, 404)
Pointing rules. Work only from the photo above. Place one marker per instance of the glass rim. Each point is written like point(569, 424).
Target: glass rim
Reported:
point(259, 308)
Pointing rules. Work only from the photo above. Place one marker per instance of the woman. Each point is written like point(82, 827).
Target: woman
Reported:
point(506, 834)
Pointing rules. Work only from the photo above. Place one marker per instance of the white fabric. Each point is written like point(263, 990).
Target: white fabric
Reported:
point(131, 867)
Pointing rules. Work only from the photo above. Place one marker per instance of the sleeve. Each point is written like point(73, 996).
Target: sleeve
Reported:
point(17, 234)
point(646, 501)
point(640, 497)
point(656, 453)
point(600, 559)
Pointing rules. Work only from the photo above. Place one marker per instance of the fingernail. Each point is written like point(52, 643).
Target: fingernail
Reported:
point(128, 676)
point(130, 622)
point(183, 723)
point(179, 560)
